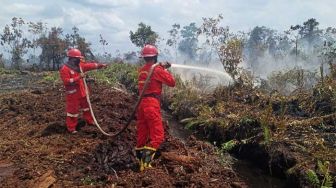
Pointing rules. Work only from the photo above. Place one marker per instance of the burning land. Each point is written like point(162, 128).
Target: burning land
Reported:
point(290, 137)
point(204, 106)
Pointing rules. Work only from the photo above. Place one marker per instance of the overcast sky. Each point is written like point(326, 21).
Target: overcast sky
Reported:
point(115, 18)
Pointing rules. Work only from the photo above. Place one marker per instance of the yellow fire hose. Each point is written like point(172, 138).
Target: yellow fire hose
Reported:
point(134, 109)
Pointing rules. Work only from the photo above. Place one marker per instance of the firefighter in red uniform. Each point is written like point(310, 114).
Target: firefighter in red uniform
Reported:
point(150, 132)
point(72, 78)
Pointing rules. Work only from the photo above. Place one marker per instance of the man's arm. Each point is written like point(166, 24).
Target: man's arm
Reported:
point(87, 66)
point(164, 76)
point(65, 76)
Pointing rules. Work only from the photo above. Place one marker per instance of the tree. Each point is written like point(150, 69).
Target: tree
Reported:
point(38, 30)
point(215, 35)
point(284, 46)
point(13, 38)
point(330, 34)
point(53, 48)
point(106, 56)
point(232, 55)
point(228, 47)
point(261, 38)
point(329, 51)
point(103, 42)
point(294, 35)
point(2, 61)
point(309, 31)
point(174, 34)
point(74, 40)
point(131, 57)
point(143, 35)
point(188, 45)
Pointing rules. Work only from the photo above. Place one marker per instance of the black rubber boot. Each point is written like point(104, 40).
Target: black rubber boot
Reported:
point(148, 156)
point(139, 153)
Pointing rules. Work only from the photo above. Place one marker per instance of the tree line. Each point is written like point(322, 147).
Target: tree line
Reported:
point(51, 44)
point(203, 44)
point(210, 41)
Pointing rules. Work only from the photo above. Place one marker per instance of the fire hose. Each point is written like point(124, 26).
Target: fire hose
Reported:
point(134, 109)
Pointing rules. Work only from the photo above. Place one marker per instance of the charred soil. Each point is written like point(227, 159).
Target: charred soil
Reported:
point(37, 151)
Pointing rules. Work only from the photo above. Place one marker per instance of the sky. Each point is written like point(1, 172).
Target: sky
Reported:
point(115, 18)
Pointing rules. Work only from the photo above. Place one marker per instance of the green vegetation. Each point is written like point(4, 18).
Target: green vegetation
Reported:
point(8, 71)
point(323, 168)
point(119, 74)
point(52, 77)
point(312, 178)
point(143, 35)
point(228, 146)
point(264, 121)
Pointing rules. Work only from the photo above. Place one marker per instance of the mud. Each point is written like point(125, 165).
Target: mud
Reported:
point(40, 151)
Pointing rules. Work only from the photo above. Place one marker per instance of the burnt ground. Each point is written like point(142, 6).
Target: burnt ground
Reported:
point(21, 80)
point(37, 151)
point(288, 137)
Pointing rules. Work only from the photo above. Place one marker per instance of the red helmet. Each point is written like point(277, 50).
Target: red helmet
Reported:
point(149, 51)
point(73, 52)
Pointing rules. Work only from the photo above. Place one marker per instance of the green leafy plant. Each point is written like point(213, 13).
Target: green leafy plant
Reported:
point(264, 122)
point(312, 177)
point(282, 115)
point(323, 168)
point(228, 146)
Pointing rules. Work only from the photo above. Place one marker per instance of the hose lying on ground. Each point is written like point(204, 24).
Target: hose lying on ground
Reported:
point(134, 109)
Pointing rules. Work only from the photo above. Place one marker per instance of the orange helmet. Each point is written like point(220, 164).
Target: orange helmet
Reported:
point(149, 51)
point(73, 52)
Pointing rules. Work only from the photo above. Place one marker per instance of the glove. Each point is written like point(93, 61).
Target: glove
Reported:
point(165, 65)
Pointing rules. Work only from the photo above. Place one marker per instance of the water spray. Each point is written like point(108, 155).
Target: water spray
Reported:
point(221, 73)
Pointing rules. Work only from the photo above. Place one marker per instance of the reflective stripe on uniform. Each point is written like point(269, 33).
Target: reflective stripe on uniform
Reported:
point(71, 91)
point(86, 109)
point(142, 82)
point(72, 115)
point(71, 80)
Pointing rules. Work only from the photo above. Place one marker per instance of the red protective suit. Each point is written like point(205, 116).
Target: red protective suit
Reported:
point(75, 93)
point(149, 121)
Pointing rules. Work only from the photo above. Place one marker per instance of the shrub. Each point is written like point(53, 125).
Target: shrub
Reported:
point(119, 74)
